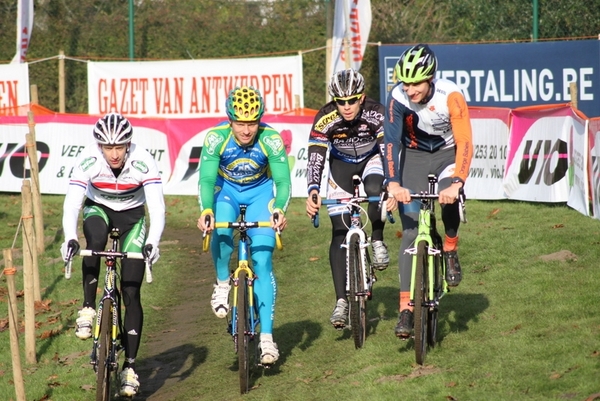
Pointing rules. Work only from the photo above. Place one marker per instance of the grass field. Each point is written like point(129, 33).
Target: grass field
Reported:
point(523, 325)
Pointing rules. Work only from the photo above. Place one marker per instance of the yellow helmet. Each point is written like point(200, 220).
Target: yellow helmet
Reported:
point(244, 104)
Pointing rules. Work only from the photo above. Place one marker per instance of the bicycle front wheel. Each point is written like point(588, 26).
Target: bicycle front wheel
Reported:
point(103, 368)
point(357, 298)
point(243, 349)
point(421, 307)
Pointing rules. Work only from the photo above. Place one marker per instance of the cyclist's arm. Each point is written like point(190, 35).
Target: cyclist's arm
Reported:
point(280, 169)
point(76, 191)
point(209, 167)
point(461, 126)
point(318, 145)
point(393, 129)
point(155, 200)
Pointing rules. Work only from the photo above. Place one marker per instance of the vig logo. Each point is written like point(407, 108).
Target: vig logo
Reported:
point(552, 158)
point(16, 159)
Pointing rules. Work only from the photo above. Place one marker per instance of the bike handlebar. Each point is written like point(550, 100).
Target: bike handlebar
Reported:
point(242, 226)
point(354, 199)
point(461, 202)
point(112, 254)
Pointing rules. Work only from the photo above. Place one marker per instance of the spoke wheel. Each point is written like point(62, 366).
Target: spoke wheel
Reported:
point(243, 347)
point(421, 309)
point(357, 296)
point(103, 372)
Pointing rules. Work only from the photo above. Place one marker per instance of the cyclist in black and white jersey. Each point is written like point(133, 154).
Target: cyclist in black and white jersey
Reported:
point(116, 178)
point(350, 127)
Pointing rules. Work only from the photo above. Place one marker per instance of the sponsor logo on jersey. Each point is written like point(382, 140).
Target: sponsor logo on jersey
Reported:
point(140, 165)
point(117, 198)
point(326, 120)
point(274, 142)
point(213, 140)
point(87, 163)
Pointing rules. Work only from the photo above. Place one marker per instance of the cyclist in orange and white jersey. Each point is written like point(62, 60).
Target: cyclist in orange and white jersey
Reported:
point(427, 131)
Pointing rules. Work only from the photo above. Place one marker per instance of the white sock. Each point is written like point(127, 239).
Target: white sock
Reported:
point(223, 282)
point(266, 337)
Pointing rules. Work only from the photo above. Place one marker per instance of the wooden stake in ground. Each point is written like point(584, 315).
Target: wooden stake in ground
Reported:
point(38, 215)
point(28, 276)
point(9, 272)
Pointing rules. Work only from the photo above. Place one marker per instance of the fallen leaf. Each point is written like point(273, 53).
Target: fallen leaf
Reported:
point(558, 226)
point(493, 213)
point(313, 258)
point(49, 333)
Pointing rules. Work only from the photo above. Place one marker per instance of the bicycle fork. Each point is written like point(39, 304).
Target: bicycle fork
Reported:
point(250, 277)
point(432, 300)
point(365, 265)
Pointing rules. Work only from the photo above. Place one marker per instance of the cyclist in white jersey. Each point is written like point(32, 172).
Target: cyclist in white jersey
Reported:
point(116, 178)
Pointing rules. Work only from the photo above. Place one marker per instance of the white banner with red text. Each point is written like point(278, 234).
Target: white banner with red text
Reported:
point(191, 88)
point(14, 87)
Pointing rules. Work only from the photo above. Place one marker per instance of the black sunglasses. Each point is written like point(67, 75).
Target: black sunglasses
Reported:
point(341, 101)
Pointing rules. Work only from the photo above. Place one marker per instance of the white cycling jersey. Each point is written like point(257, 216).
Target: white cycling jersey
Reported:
point(138, 183)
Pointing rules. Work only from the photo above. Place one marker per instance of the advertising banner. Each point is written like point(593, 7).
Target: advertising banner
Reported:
point(14, 87)
point(191, 88)
point(594, 164)
point(490, 128)
point(547, 157)
point(176, 145)
point(513, 75)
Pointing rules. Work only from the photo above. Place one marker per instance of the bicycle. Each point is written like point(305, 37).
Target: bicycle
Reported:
point(360, 273)
point(108, 330)
point(244, 323)
point(428, 282)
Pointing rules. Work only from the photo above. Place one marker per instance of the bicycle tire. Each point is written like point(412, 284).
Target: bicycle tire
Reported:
point(103, 369)
point(357, 296)
point(421, 310)
point(243, 348)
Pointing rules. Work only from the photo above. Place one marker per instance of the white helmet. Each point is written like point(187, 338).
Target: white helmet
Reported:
point(113, 129)
point(346, 83)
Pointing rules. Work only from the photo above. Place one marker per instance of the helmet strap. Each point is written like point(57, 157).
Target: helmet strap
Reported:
point(430, 92)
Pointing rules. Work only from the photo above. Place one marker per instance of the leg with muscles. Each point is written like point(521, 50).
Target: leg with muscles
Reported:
point(451, 220)
point(409, 220)
point(95, 229)
point(221, 250)
point(131, 282)
point(372, 182)
point(265, 290)
point(337, 261)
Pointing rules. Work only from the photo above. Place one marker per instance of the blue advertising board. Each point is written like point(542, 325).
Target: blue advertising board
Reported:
point(513, 74)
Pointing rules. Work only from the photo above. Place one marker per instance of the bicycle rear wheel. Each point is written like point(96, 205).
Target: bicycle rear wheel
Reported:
point(421, 308)
point(357, 296)
point(103, 368)
point(243, 348)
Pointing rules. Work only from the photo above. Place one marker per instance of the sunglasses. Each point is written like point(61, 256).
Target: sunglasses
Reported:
point(341, 101)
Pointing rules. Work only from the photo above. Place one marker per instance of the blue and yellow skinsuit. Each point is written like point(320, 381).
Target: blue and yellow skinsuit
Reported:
point(230, 175)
